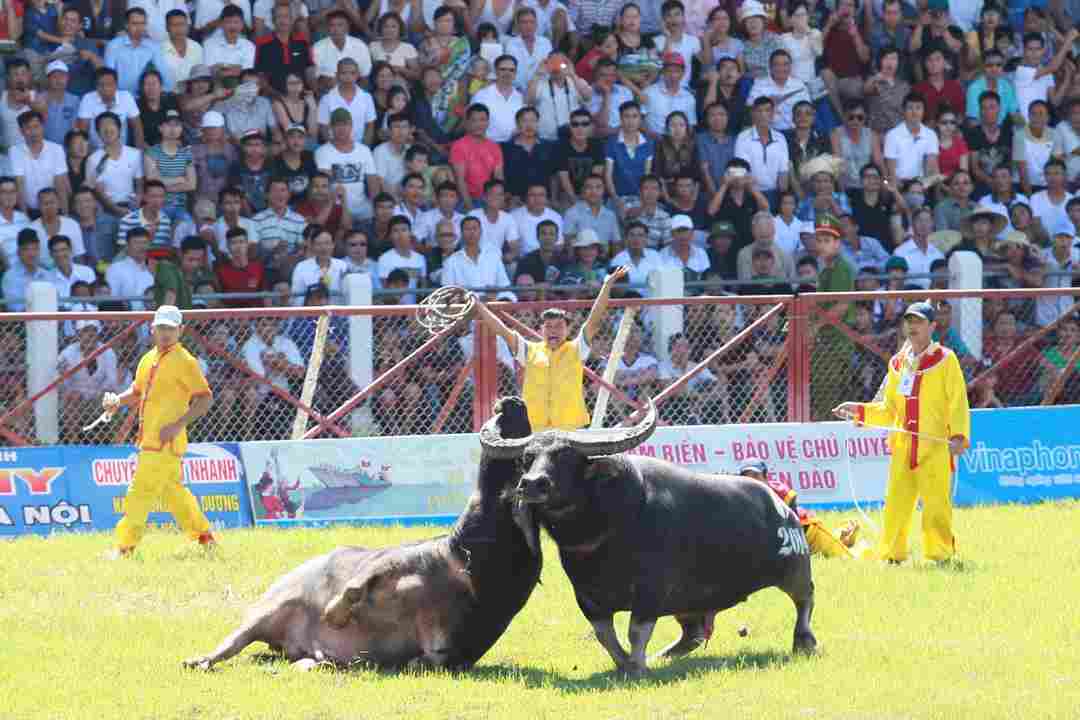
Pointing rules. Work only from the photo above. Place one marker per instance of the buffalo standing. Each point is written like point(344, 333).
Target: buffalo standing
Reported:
point(645, 535)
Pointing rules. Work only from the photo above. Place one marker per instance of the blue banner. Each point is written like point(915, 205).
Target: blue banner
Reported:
point(82, 487)
point(1021, 455)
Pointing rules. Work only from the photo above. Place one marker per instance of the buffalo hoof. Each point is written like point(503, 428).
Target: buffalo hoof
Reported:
point(805, 644)
point(305, 665)
point(633, 672)
point(199, 663)
point(683, 647)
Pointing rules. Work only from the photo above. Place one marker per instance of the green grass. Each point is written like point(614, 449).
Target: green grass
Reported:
point(997, 637)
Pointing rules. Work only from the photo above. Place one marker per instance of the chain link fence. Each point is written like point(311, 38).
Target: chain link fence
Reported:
point(705, 360)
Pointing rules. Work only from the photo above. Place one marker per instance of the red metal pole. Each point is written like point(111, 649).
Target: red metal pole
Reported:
point(800, 382)
point(487, 384)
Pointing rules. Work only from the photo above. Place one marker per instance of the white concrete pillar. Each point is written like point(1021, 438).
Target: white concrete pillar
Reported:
point(361, 348)
point(666, 319)
point(42, 353)
point(966, 273)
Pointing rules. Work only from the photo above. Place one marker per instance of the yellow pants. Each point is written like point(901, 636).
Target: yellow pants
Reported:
point(158, 476)
point(823, 541)
point(931, 481)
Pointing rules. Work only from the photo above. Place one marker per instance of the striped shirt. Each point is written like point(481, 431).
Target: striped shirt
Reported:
point(135, 218)
point(171, 167)
point(272, 229)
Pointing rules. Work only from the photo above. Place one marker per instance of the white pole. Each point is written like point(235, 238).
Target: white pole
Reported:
point(358, 288)
point(966, 273)
point(668, 319)
point(42, 353)
point(602, 396)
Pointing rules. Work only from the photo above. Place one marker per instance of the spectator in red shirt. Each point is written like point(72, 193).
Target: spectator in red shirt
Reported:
point(240, 273)
point(321, 207)
point(938, 90)
point(846, 56)
point(475, 158)
point(284, 52)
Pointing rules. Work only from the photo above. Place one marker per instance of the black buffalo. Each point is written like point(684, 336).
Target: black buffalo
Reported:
point(441, 602)
point(645, 535)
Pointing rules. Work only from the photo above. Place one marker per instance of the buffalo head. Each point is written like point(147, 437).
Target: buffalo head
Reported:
point(556, 462)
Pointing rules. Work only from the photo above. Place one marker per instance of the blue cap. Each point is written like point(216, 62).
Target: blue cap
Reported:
point(922, 309)
point(757, 466)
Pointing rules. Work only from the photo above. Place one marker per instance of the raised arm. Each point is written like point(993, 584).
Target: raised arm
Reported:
point(492, 322)
point(599, 308)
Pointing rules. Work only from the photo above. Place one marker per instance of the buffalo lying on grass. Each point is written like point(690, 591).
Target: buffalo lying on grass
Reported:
point(644, 535)
point(441, 602)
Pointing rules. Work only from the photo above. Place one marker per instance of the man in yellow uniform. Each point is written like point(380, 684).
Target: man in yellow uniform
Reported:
point(171, 392)
point(843, 543)
point(555, 366)
point(925, 400)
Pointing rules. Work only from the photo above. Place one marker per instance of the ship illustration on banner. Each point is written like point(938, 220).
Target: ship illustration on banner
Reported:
point(336, 484)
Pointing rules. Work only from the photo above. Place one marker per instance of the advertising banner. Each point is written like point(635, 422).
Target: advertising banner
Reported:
point(424, 479)
point(1021, 455)
point(81, 487)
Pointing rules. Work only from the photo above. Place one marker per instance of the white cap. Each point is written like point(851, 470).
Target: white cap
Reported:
point(80, 324)
point(507, 296)
point(750, 9)
point(586, 237)
point(54, 66)
point(168, 315)
point(213, 119)
point(681, 222)
point(808, 228)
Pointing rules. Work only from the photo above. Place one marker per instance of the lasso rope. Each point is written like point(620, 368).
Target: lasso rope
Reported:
point(444, 308)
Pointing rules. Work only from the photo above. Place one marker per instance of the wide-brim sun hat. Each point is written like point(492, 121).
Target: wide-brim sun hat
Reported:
point(998, 220)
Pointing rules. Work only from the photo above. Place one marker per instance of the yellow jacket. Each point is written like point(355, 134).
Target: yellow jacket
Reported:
point(166, 382)
point(929, 398)
point(553, 386)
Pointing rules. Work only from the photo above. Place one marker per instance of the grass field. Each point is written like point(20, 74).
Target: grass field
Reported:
point(998, 637)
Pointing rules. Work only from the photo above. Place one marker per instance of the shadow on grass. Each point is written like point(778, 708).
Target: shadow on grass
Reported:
point(955, 567)
point(661, 673)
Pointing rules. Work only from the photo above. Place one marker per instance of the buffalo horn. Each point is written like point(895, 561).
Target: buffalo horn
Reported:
point(614, 441)
point(499, 447)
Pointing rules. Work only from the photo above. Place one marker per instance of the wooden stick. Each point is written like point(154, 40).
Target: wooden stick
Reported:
point(312, 376)
point(617, 347)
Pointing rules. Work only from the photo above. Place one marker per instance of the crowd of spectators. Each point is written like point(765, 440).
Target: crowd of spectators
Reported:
point(227, 153)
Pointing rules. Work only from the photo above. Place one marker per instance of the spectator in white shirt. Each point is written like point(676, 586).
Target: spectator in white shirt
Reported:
point(502, 100)
point(498, 229)
point(765, 149)
point(157, 13)
point(322, 267)
point(1067, 141)
point(208, 16)
point(475, 265)
point(641, 260)
point(785, 90)
point(668, 95)
point(108, 98)
point(52, 223)
point(911, 148)
point(402, 257)
point(337, 45)
point(446, 203)
point(12, 221)
point(38, 164)
point(682, 253)
point(273, 356)
point(279, 230)
point(228, 53)
point(178, 53)
point(66, 272)
point(349, 164)
point(130, 276)
point(115, 172)
point(1035, 81)
point(917, 251)
point(1063, 260)
point(527, 48)
point(81, 392)
point(675, 39)
point(529, 216)
point(349, 96)
point(390, 156)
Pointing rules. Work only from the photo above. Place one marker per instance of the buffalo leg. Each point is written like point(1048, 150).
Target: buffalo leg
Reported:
point(641, 630)
point(236, 641)
point(696, 631)
point(800, 588)
point(605, 634)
